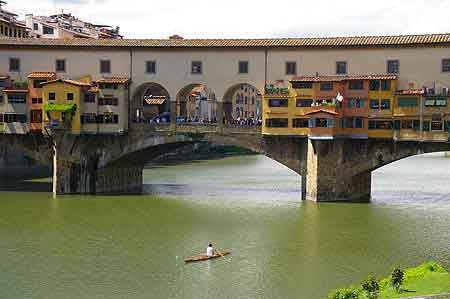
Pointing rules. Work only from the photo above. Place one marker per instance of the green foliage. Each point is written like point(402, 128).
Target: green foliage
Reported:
point(328, 104)
point(426, 279)
point(346, 293)
point(371, 287)
point(397, 277)
point(20, 84)
point(60, 107)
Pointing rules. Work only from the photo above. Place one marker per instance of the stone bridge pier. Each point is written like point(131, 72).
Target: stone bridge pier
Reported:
point(341, 169)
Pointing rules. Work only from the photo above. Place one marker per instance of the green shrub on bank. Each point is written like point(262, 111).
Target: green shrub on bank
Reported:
point(427, 279)
point(346, 293)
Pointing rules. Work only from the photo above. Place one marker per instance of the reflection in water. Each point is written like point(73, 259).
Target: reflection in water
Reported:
point(133, 246)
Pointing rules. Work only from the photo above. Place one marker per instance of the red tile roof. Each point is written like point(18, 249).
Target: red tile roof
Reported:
point(114, 80)
point(337, 78)
point(42, 75)
point(68, 81)
point(326, 42)
point(321, 110)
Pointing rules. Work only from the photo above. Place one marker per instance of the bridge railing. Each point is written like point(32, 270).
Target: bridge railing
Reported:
point(195, 128)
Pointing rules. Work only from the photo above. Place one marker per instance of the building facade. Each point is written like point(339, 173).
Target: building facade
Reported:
point(10, 26)
point(65, 25)
point(322, 88)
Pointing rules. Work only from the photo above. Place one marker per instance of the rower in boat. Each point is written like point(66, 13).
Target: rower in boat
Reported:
point(210, 251)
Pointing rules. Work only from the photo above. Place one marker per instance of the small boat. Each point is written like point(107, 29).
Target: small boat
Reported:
point(204, 257)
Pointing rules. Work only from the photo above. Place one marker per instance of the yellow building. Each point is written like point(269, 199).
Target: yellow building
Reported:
point(381, 106)
point(62, 100)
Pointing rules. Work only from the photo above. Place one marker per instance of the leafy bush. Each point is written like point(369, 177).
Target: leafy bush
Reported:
point(371, 286)
point(397, 277)
point(349, 293)
point(19, 84)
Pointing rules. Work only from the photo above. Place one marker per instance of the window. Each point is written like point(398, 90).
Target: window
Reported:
point(14, 64)
point(1, 118)
point(108, 101)
point(196, 67)
point(69, 96)
point(277, 123)
point(321, 123)
point(291, 68)
point(304, 103)
point(89, 98)
point(385, 104)
point(326, 86)
point(37, 83)
point(35, 26)
point(408, 102)
point(300, 123)
point(51, 96)
point(243, 67)
point(47, 30)
point(385, 84)
point(108, 118)
point(356, 84)
point(302, 85)
point(393, 66)
point(253, 100)
point(435, 102)
point(380, 125)
point(374, 85)
point(341, 67)
point(446, 65)
point(60, 65)
point(36, 116)
point(245, 100)
point(108, 86)
point(437, 126)
point(426, 125)
point(17, 98)
point(36, 100)
point(278, 103)
point(355, 103)
point(89, 118)
point(15, 118)
point(359, 123)
point(1, 97)
point(410, 124)
point(150, 67)
point(374, 104)
point(105, 66)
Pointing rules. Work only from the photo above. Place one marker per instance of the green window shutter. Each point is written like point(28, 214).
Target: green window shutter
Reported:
point(396, 124)
point(408, 102)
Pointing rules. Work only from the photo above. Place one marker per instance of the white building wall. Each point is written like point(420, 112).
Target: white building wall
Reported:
point(220, 67)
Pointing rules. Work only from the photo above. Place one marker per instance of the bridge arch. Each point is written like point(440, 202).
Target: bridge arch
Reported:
point(242, 101)
point(196, 102)
point(149, 99)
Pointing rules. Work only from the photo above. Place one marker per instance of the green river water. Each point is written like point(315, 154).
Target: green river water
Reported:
point(133, 246)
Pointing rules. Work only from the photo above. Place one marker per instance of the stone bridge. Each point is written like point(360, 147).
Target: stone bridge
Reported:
point(331, 170)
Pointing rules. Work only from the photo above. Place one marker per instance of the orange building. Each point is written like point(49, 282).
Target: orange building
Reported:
point(35, 80)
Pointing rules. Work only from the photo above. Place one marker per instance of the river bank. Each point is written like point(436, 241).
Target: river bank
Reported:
point(424, 281)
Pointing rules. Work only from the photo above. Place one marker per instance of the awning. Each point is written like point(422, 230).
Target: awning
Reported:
point(154, 100)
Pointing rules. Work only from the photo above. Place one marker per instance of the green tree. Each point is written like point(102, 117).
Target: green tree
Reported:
point(371, 287)
point(351, 293)
point(397, 277)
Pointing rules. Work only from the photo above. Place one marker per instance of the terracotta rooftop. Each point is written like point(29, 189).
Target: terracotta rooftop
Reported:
point(322, 110)
point(68, 81)
point(325, 42)
point(116, 80)
point(42, 75)
point(338, 78)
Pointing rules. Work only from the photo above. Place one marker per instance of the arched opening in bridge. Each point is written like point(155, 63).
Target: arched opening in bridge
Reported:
point(242, 105)
point(150, 104)
point(196, 103)
point(417, 179)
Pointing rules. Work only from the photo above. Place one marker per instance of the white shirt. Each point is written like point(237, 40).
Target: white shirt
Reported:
point(210, 251)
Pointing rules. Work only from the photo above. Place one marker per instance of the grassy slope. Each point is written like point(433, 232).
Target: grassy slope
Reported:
point(427, 279)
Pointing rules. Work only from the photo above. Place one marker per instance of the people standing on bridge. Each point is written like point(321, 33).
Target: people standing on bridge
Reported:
point(210, 250)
